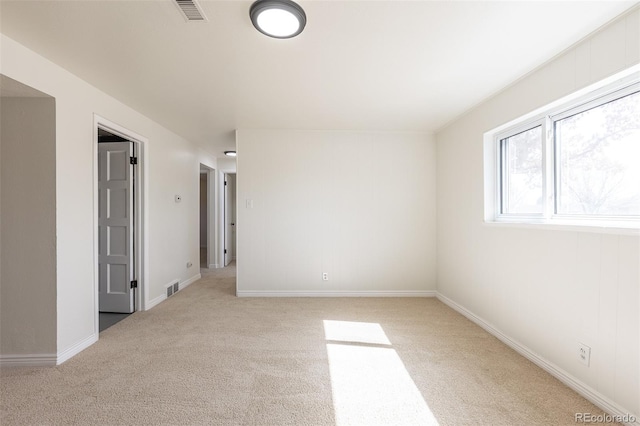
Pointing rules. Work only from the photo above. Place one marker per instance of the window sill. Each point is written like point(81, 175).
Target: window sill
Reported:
point(593, 226)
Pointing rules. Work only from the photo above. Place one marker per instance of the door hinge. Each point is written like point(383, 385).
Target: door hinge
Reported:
point(225, 183)
point(225, 251)
point(133, 160)
point(134, 284)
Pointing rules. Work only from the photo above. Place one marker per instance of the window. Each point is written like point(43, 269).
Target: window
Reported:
point(580, 162)
point(522, 176)
point(598, 159)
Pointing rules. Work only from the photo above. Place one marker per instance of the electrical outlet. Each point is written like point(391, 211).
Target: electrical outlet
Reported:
point(325, 276)
point(584, 353)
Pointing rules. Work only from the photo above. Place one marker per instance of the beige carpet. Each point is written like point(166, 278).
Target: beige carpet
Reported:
point(205, 357)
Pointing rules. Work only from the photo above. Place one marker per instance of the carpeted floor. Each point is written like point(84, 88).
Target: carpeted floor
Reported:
point(205, 357)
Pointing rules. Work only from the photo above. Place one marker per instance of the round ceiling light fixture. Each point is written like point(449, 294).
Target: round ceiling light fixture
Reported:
point(278, 18)
point(230, 153)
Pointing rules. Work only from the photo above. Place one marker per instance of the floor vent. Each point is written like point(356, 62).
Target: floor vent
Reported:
point(191, 10)
point(173, 288)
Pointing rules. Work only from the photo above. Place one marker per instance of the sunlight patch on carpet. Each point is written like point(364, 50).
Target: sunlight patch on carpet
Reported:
point(369, 382)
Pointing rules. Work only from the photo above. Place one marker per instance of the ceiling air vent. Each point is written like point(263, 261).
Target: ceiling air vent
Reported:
point(191, 10)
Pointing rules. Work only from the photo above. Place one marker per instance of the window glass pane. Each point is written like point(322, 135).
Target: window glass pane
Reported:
point(599, 160)
point(522, 173)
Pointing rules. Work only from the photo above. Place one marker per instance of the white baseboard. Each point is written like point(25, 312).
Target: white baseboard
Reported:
point(214, 266)
point(154, 302)
point(586, 391)
point(190, 281)
point(399, 293)
point(181, 285)
point(28, 360)
point(76, 349)
point(47, 360)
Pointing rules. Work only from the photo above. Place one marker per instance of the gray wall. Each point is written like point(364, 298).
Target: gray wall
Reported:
point(28, 226)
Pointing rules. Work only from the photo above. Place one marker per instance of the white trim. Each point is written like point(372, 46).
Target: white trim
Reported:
point(142, 219)
point(189, 281)
point(586, 391)
point(28, 360)
point(155, 302)
point(47, 360)
point(77, 348)
point(501, 195)
point(398, 293)
point(556, 225)
point(213, 266)
point(181, 285)
point(613, 87)
point(96, 238)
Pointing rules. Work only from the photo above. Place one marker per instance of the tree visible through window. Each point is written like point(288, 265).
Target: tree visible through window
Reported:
point(579, 162)
point(522, 178)
point(598, 157)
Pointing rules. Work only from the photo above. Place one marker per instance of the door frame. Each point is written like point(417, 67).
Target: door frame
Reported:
point(212, 231)
point(227, 224)
point(141, 231)
point(220, 206)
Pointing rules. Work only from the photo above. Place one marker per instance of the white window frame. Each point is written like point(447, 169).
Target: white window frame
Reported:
point(601, 93)
point(500, 162)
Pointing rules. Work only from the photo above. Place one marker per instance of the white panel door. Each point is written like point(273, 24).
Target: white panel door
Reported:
point(115, 221)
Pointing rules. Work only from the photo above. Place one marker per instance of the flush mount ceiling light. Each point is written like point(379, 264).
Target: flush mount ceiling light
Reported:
point(278, 18)
point(230, 153)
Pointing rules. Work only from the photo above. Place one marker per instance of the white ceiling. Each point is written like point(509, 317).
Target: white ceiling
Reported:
point(358, 65)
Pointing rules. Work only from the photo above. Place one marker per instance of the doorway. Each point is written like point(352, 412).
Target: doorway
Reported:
point(118, 248)
point(229, 218)
point(205, 251)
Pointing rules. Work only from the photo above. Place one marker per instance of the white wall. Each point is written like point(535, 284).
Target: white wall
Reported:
point(360, 206)
point(28, 227)
point(227, 165)
point(173, 168)
point(544, 289)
